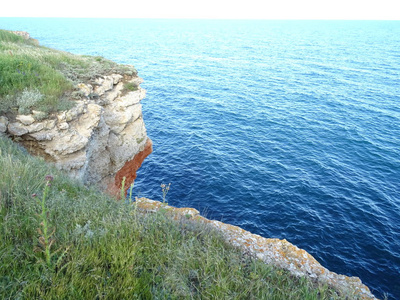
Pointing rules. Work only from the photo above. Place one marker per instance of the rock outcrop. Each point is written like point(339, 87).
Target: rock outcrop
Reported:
point(99, 141)
point(26, 36)
point(280, 253)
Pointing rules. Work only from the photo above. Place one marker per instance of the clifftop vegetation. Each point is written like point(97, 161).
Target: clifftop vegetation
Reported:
point(33, 76)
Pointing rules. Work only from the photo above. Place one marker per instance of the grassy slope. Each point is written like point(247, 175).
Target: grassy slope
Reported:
point(108, 250)
point(33, 76)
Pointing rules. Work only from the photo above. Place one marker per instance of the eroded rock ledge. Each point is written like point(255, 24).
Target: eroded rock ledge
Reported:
point(277, 252)
point(99, 141)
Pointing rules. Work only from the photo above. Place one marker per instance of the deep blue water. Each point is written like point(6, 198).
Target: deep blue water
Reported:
point(289, 129)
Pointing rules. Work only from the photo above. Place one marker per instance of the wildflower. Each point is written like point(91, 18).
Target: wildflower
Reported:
point(49, 178)
point(165, 189)
point(34, 195)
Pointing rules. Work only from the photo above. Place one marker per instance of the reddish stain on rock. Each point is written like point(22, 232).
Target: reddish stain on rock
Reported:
point(129, 171)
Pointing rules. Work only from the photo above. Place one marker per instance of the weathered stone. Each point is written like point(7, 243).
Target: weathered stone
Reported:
point(43, 135)
point(99, 80)
point(132, 98)
point(120, 116)
point(116, 78)
point(49, 124)
point(67, 144)
point(106, 84)
point(110, 96)
point(3, 124)
point(17, 129)
point(74, 112)
point(136, 80)
point(124, 144)
point(73, 163)
point(63, 126)
point(25, 119)
point(35, 127)
point(99, 164)
point(86, 89)
point(89, 120)
point(61, 117)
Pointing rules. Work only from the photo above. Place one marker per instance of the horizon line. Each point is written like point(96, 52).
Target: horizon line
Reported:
point(200, 18)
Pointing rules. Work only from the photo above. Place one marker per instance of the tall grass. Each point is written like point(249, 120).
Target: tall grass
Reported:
point(108, 250)
point(23, 72)
point(6, 36)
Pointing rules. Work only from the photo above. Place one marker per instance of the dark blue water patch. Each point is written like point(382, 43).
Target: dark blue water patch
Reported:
point(289, 129)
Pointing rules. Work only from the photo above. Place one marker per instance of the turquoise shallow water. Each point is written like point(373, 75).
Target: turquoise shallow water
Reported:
point(289, 129)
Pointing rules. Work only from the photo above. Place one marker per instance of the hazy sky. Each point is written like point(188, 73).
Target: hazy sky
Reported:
point(219, 9)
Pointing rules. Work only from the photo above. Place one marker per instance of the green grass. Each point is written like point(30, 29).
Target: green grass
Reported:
point(47, 73)
point(105, 249)
point(130, 86)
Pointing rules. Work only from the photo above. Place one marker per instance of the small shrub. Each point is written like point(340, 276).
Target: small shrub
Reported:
point(139, 140)
point(6, 103)
point(40, 115)
point(28, 99)
point(131, 86)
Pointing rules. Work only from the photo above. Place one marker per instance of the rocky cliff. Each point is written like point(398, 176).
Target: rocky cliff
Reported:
point(99, 141)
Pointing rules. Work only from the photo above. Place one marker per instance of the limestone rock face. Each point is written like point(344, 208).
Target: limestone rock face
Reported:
point(94, 140)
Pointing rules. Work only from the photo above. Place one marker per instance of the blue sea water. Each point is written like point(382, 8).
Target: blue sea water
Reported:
point(288, 129)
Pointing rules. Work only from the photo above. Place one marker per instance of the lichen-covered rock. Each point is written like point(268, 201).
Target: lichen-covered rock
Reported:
point(25, 119)
point(96, 138)
point(104, 84)
point(280, 253)
point(86, 89)
point(17, 129)
point(3, 124)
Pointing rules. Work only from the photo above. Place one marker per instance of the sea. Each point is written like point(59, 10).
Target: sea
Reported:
point(288, 129)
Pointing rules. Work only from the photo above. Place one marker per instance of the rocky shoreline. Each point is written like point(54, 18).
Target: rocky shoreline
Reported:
point(279, 253)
